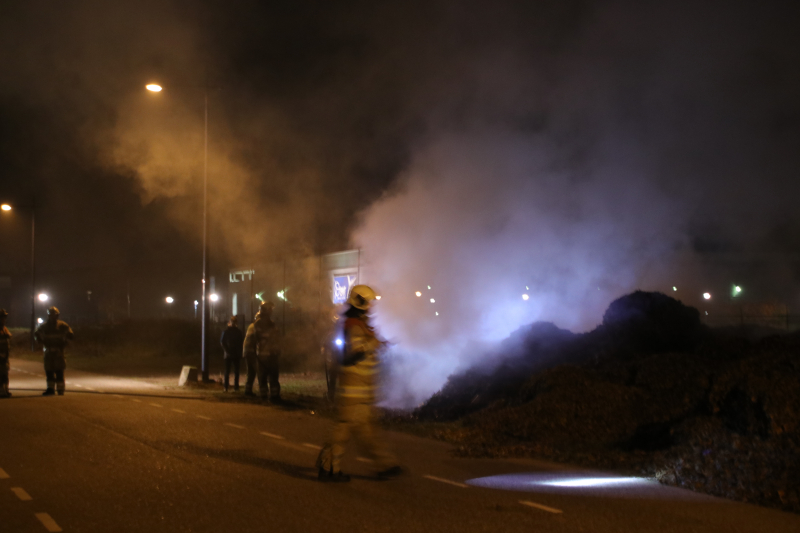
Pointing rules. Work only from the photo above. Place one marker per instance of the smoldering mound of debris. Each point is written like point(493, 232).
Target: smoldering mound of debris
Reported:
point(650, 391)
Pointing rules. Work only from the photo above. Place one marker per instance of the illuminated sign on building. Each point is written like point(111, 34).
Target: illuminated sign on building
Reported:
point(236, 277)
point(341, 287)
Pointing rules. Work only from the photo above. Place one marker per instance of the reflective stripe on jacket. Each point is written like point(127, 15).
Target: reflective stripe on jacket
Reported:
point(358, 375)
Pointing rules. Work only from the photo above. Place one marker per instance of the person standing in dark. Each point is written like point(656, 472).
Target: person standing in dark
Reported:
point(5, 349)
point(263, 342)
point(54, 335)
point(232, 342)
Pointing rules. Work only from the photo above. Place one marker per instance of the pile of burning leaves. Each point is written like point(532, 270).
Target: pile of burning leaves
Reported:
point(650, 391)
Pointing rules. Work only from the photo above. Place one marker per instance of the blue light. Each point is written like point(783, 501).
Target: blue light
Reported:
point(339, 342)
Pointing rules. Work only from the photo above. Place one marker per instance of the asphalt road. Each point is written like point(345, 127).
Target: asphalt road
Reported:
point(114, 455)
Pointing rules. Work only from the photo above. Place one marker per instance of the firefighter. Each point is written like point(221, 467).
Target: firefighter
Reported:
point(232, 342)
point(355, 394)
point(262, 343)
point(5, 350)
point(54, 335)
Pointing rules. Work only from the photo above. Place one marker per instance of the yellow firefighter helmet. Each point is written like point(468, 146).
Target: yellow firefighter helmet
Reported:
point(361, 296)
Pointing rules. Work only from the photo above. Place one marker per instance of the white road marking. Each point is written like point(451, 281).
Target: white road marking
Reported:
point(48, 522)
point(118, 395)
point(271, 435)
point(3, 474)
point(203, 417)
point(89, 388)
point(542, 507)
point(135, 400)
point(234, 425)
point(156, 405)
point(179, 411)
point(79, 385)
point(442, 480)
point(307, 445)
point(21, 494)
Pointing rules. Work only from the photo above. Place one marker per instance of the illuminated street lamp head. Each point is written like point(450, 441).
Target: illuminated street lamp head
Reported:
point(525, 297)
point(5, 207)
point(43, 297)
point(169, 299)
point(153, 87)
point(418, 294)
point(214, 297)
point(707, 295)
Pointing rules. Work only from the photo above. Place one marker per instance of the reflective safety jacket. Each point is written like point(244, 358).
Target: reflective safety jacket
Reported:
point(54, 336)
point(358, 374)
point(262, 339)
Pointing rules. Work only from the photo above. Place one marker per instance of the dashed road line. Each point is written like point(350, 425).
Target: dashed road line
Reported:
point(91, 389)
point(79, 385)
point(118, 395)
point(179, 411)
point(203, 417)
point(156, 405)
point(237, 426)
point(542, 507)
point(442, 480)
point(271, 435)
point(21, 494)
point(307, 445)
point(4, 474)
point(48, 522)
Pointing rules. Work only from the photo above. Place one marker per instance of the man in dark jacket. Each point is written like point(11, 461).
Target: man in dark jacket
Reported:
point(232, 343)
point(54, 335)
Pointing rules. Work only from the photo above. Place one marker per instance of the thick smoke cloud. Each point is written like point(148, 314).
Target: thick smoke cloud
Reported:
point(632, 160)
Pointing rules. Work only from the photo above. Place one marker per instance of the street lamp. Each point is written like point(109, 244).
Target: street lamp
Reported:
point(169, 299)
point(155, 88)
point(43, 297)
point(32, 207)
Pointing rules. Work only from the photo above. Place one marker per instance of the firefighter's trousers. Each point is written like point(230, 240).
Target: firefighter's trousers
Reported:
point(268, 377)
point(252, 370)
point(355, 420)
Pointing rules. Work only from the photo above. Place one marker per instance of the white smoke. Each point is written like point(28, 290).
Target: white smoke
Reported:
point(483, 219)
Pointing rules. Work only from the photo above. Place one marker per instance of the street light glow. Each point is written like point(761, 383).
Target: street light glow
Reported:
point(169, 299)
point(43, 297)
point(418, 294)
point(707, 295)
point(525, 297)
point(153, 87)
point(5, 207)
point(378, 297)
point(214, 297)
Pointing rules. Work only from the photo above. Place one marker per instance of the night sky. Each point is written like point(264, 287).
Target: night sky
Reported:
point(682, 118)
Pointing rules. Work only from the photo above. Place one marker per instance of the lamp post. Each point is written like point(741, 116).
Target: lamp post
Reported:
point(155, 88)
point(32, 207)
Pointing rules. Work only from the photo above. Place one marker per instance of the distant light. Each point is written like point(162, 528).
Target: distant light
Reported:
point(418, 294)
point(5, 207)
point(527, 288)
point(707, 295)
point(437, 313)
point(525, 297)
point(593, 482)
point(43, 297)
point(153, 87)
point(737, 290)
point(169, 299)
point(429, 287)
point(39, 320)
point(674, 288)
point(339, 342)
point(214, 297)
point(378, 297)
point(433, 301)
point(281, 296)
point(196, 303)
